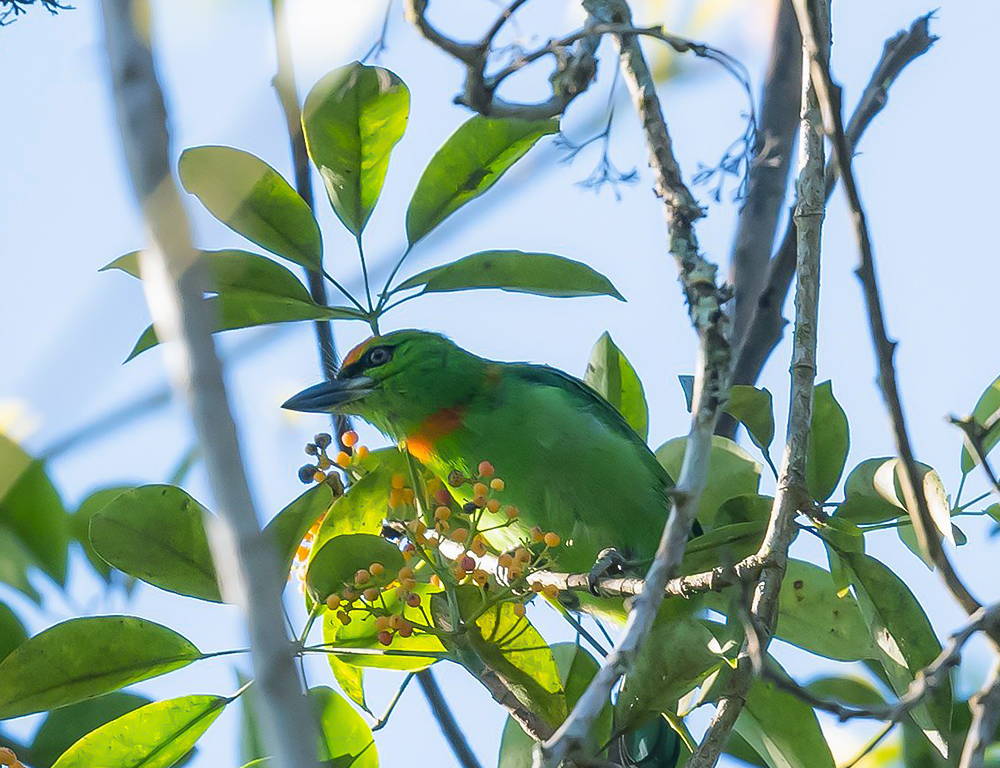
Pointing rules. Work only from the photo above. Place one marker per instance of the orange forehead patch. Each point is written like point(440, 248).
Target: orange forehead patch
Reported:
point(355, 354)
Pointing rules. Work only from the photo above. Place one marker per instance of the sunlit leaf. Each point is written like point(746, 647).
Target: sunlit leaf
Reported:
point(12, 631)
point(542, 274)
point(157, 534)
point(287, 528)
point(352, 118)
point(731, 472)
point(344, 734)
point(986, 414)
point(96, 654)
point(829, 442)
point(251, 198)
point(30, 507)
point(233, 269)
point(754, 409)
point(905, 642)
point(64, 727)
point(154, 736)
point(233, 309)
point(470, 162)
point(611, 375)
point(351, 680)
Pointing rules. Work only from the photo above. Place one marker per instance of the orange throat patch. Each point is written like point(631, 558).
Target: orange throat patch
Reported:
point(439, 424)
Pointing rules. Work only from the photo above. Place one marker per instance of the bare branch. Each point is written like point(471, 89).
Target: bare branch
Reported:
point(446, 720)
point(975, 435)
point(767, 323)
point(244, 559)
point(985, 706)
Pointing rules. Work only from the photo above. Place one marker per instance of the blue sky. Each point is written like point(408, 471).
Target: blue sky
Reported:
point(67, 210)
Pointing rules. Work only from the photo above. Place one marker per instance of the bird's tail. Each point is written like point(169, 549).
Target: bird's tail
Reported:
point(652, 745)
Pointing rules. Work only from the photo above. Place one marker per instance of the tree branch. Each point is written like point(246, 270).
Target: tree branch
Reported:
point(446, 720)
point(975, 434)
point(766, 324)
point(792, 493)
point(245, 561)
point(705, 299)
point(985, 706)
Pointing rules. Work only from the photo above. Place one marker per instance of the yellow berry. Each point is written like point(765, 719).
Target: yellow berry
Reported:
point(458, 572)
point(362, 577)
point(350, 594)
point(497, 484)
point(519, 610)
point(404, 573)
point(396, 621)
point(479, 501)
point(480, 489)
point(459, 534)
point(407, 555)
point(319, 476)
point(436, 581)
point(551, 539)
point(349, 438)
point(371, 594)
point(536, 586)
point(333, 602)
point(302, 552)
point(479, 546)
point(432, 543)
point(522, 555)
point(395, 498)
point(537, 534)
point(505, 560)
point(493, 505)
point(408, 583)
point(343, 459)
point(442, 526)
point(551, 590)
point(442, 513)
point(511, 511)
point(514, 572)
point(480, 577)
point(408, 495)
point(382, 622)
point(398, 481)
point(361, 451)
point(376, 569)
point(486, 469)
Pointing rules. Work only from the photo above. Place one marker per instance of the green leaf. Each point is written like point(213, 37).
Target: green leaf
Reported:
point(724, 544)
point(344, 734)
point(754, 409)
point(251, 741)
point(782, 729)
point(154, 736)
point(80, 525)
point(251, 198)
point(986, 414)
point(361, 634)
point(512, 648)
point(15, 561)
point(12, 631)
point(851, 691)
point(470, 162)
point(351, 681)
point(233, 268)
point(731, 472)
point(750, 508)
point(235, 309)
point(541, 274)
point(813, 616)
point(64, 727)
point(352, 118)
point(611, 375)
point(576, 669)
point(905, 642)
point(96, 655)
point(287, 528)
point(334, 565)
point(829, 442)
point(30, 507)
point(157, 534)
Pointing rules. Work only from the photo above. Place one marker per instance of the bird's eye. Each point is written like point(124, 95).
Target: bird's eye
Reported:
point(379, 356)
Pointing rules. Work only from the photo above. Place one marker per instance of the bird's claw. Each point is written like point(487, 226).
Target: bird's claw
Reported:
point(609, 563)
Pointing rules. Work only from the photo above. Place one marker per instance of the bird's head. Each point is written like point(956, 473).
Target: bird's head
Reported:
point(396, 381)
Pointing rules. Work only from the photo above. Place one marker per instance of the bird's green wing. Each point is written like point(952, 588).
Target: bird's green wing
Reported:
point(591, 402)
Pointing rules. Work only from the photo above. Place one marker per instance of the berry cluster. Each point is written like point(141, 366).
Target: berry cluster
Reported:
point(361, 596)
point(320, 471)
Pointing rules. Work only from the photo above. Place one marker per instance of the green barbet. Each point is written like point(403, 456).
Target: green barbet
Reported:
point(570, 462)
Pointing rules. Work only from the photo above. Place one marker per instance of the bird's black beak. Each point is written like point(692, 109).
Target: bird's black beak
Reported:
point(326, 397)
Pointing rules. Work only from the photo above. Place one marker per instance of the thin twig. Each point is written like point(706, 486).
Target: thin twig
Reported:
point(248, 569)
point(767, 323)
point(705, 299)
point(975, 434)
point(446, 721)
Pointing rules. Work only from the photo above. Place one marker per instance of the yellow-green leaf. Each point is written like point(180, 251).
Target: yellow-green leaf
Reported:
point(611, 375)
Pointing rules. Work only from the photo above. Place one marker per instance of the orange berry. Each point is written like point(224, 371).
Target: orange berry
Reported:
point(479, 546)
point(441, 496)
point(350, 595)
point(551, 539)
point(342, 459)
point(432, 543)
point(302, 552)
point(537, 534)
point(519, 610)
point(514, 572)
point(333, 602)
point(550, 590)
point(395, 498)
point(398, 481)
point(522, 555)
point(406, 629)
point(407, 555)
point(458, 572)
point(349, 438)
point(442, 526)
point(344, 618)
point(376, 569)
point(480, 489)
point(497, 484)
point(371, 594)
point(396, 621)
point(480, 577)
point(413, 599)
point(486, 469)
point(511, 511)
point(536, 586)
point(318, 476)
point(385, 637)
point(505, 560)
point(381, 622)
point(436, 581)
point(401, 592)
point(362, 577)
point(459, 534)
point(408, 583)
point(404, 573)
point(493, 505)
point(442, 513)
point(361, 451)
point(479, 501)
